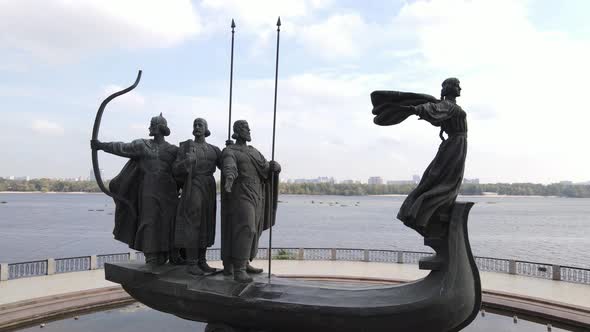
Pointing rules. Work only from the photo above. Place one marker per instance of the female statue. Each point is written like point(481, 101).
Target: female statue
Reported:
point(439, 187)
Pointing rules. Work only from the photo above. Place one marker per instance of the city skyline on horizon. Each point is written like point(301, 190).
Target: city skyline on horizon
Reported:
point(318, 179)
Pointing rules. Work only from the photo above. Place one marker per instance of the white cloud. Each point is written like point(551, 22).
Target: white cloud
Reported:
point(62, 30)
point(338, 36)
point(46, 127)
point(517, 83)
point(254, 14)
point(257, 18)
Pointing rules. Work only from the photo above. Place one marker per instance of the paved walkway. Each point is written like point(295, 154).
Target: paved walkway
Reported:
point(556, 291)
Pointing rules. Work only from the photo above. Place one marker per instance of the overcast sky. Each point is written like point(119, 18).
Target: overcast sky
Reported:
point(522, 64)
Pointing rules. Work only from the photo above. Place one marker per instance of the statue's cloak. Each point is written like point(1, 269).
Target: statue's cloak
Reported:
point(126, 185)
point(230, 212)
point(386, 105)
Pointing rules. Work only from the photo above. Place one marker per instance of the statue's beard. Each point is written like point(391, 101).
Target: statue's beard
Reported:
point(198, 134)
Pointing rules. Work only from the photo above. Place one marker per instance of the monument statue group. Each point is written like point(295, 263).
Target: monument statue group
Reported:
point(173, 195)
point(166, 204)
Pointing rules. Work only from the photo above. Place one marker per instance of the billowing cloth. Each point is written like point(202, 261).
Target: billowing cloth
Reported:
point(442, 180)
point(147, 182)
point(195, 219)
point(386, 105)
point(248, 209)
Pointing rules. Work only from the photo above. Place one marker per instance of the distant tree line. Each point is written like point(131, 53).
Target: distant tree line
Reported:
point(356, 189)
point(48, 185)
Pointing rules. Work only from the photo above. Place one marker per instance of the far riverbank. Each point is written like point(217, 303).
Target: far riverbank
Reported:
point(339, 189)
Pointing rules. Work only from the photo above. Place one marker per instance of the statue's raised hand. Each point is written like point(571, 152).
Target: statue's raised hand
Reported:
point(274, 166)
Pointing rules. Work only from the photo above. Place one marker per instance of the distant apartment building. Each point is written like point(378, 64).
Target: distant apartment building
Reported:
point(325, 179)
point(399, 182)
point(375, 180)
point(415, 180)
point(76, 179)
point(321, 179)
point(347, 182)
point(471, 181)
point(19, 178)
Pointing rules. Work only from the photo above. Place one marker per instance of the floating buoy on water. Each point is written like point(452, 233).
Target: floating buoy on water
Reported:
point(42, 325)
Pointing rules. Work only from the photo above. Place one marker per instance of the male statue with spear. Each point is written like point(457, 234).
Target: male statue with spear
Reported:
point(249, 197)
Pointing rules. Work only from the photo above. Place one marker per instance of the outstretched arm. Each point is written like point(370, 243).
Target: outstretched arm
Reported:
point(134, 149)
point(435, 112)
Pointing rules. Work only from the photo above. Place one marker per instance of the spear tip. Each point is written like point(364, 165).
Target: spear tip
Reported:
point(233, 24)
point(279, 22)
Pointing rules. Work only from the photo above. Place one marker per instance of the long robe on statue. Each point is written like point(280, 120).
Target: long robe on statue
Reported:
point(146, 182)
point(250, 207)
point(196, 213)
point(441, 181)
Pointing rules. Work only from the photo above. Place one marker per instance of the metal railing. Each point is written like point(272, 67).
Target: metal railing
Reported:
point(113, 258)
point(489, 264)
point(26, 269)
point(486, 264)
point(72, 264)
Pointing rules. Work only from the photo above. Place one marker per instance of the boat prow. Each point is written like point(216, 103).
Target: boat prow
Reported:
point(448, 299)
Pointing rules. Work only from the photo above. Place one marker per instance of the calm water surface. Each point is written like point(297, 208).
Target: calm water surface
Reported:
point(544, 229)
point(139, 318)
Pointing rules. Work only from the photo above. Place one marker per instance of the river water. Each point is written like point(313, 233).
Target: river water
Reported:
point(540, 229)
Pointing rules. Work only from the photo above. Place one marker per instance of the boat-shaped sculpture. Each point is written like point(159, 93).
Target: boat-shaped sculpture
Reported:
point(146, 194)
point(447, 299)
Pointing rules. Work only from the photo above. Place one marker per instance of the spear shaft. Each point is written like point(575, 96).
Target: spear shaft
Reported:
point(274, 125)
point(231, 77)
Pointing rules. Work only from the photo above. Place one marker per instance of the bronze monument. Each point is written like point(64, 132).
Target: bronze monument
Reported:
point(195, 164)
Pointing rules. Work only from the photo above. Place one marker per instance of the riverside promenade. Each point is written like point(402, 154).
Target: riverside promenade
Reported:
point(37, 299)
